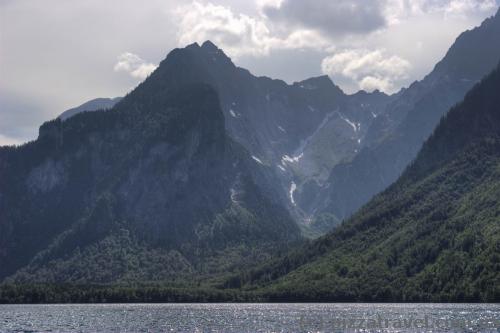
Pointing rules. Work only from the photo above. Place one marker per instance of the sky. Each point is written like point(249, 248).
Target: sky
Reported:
point(58, 54)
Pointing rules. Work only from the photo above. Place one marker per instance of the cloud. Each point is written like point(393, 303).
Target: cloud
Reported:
point(320, 25)
point(463, 8)
point(333, 18)
point(370, 70)
point(134, 65)
point(371, 83)
point(398, 10)
point(236, 33)
point(239, 34)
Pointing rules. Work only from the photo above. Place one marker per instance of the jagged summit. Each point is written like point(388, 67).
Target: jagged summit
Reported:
point(319, 82)
point(376, 92)
point(206, 46)
point(209, 54)
point(195, 60)
point(209, 46)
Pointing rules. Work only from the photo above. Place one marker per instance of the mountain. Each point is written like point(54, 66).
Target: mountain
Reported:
point(431, 236)
point(331, 152)
point(191, 174)
point(205, 168)
point(151, 190)
point(92, 105)
point(300, 130)
point(396, 136)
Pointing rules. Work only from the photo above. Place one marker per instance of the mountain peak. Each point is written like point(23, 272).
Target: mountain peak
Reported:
point(365, 93)
point(318, 82)
point(214, 53)
point(209, 46)
point(207, 51)
point(194, 45)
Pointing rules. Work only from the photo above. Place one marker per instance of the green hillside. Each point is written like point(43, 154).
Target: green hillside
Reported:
point(432, 236)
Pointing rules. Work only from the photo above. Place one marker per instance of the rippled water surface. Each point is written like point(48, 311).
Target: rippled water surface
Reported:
point(250, 318)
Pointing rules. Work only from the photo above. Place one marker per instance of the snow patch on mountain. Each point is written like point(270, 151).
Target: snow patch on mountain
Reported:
point(293, 188)
point(354, 126)
point(234, 194)
point(257, 160)
point(294, 159)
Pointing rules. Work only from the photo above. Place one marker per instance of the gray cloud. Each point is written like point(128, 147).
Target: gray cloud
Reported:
point(331, 17)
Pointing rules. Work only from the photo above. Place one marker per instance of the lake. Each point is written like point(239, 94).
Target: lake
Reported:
point(250, 318)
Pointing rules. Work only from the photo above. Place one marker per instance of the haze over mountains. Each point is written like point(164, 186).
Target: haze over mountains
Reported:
point(204, 169)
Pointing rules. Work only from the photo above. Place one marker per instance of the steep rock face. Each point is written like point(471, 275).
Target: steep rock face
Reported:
point(301, 131)
point(431, 236)
point(157, 173)
point(397, 135)
point(267, 116)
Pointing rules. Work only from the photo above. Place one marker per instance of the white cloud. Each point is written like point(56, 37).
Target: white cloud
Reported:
point(369, 69)
point(235, 33)
point(239, 34)
point(134, 65)
point(371, 83)
point(298, 24)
